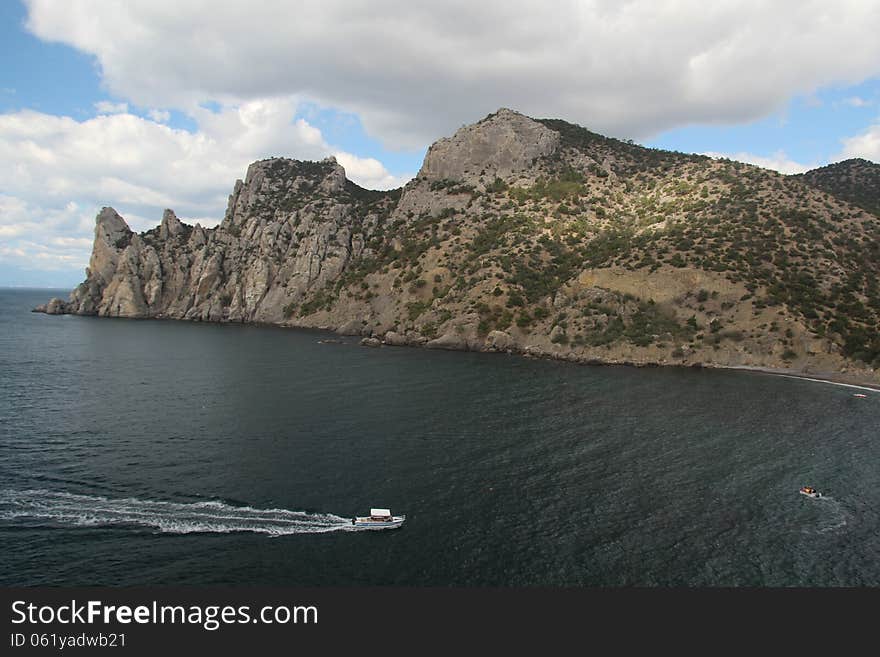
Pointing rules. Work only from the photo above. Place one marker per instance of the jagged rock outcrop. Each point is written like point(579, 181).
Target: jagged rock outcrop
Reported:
point(112, 238)
point(528, 236)
point(55, 306)
point(450, 341)
point(500, 341)
point(395, 339)
point(291, 227)
point(170, 225)
point(352, 327)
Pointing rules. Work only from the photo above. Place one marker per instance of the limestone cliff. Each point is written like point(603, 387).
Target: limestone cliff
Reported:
point(290, 227)
point(533, 236)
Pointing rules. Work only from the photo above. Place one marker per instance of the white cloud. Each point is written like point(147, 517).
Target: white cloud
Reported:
point(159, 116)
point(369, 172)
point(416, 71)
point(865, 145)
point(109, 107)
point(857, 101)
point(778, 161)
point(33, 237)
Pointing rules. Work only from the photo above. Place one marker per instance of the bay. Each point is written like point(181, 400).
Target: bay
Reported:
point(160, 452)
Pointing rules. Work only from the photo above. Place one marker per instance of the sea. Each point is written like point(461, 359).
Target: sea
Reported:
point(146, 452)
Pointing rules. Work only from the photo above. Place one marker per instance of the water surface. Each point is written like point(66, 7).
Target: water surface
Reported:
point(159, 452)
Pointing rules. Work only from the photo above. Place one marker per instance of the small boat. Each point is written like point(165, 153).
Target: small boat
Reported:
point(378, 519)
point(809, 491)
point(860, 395)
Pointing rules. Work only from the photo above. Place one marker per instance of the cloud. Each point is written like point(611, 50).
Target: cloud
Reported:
point(159, 116)
point(109, 107)
point(778, 161)
point(33, 237)
point(865, 145)
point(856, 101)
point(370, 171)
point(417, 71)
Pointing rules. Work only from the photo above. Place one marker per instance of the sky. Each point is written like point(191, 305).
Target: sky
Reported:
point(149, 104)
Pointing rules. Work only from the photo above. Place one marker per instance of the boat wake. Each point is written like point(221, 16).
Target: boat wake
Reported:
point(834, 516)
point(43, 507)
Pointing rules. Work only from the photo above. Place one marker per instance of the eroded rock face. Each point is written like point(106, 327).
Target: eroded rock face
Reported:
point(450, 341)
point(499, 341)
point(395, 339)
point(290, 232)
point(557, 334)
point(55, 306)
point(290, 228)
point(504, 145)
point(351, 327)
point(170, 226)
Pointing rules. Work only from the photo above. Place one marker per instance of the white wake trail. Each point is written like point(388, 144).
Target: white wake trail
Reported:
point(50, 507)
point(831, 383)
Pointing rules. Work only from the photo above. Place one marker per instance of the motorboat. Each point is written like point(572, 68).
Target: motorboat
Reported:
point(809, 491)
point(378, 519)
point(860, 395)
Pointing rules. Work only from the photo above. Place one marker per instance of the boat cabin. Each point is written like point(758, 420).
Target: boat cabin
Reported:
point(380, 515)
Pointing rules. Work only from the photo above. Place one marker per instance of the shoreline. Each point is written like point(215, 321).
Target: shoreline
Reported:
point(829, 378)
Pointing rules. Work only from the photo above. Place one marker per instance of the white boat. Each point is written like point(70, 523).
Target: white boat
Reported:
point(809, 491)
point(378, 519)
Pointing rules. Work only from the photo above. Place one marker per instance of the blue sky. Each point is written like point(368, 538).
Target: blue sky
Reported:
point(125, 105)
point(809, 129)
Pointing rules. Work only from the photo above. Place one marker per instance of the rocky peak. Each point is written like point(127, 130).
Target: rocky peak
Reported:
point(112, 236)
point(277, 170)
point(278, 178)
point(170, 226)
point(108, 222)
point(334, 180)
point(504, 145)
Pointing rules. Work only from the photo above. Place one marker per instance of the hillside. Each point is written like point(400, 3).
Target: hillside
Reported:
point(534, 236)
point(855, 180)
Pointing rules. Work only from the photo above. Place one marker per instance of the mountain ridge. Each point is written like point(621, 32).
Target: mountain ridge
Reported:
point(524, 235)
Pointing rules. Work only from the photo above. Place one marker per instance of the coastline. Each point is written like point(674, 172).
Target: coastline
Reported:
point(830, 378)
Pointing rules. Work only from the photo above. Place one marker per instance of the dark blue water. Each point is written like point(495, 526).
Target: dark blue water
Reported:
point(149, 452)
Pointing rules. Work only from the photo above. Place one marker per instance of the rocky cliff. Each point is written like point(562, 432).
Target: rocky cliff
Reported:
point(533, 236)
point(290, 228)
